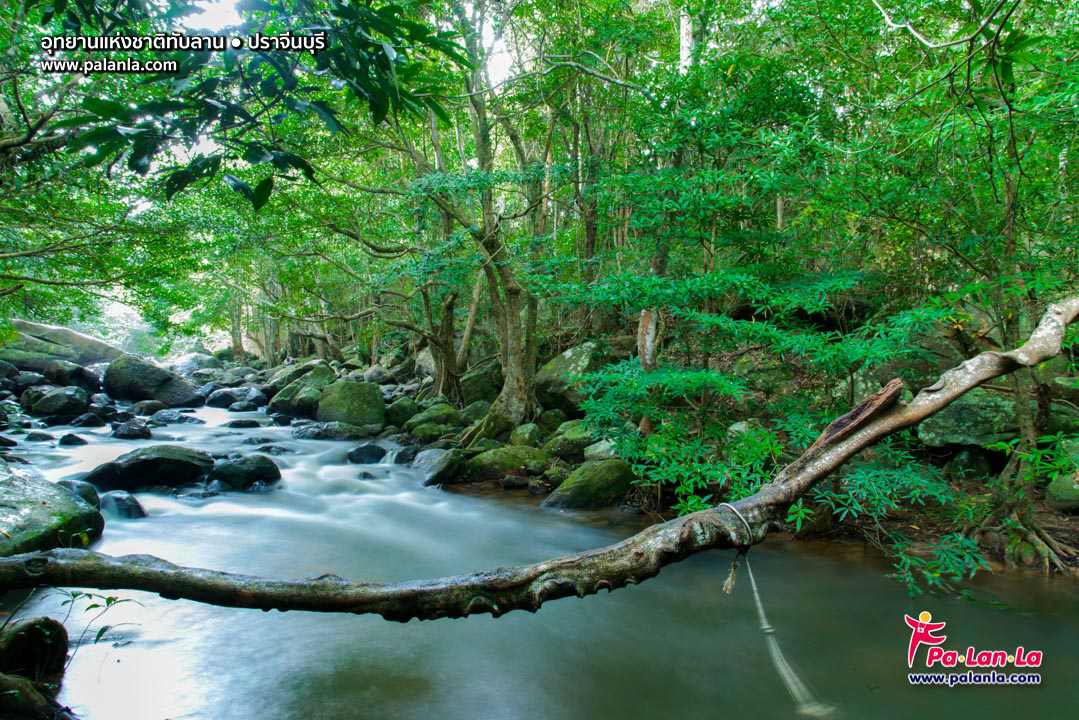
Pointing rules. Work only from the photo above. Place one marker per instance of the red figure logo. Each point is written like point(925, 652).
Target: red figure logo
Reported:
point(922, 633)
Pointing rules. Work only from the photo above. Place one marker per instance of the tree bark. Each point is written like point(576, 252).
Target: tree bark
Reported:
point(527, 587)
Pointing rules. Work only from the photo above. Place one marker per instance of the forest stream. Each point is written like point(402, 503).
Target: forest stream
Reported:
point(675, 643)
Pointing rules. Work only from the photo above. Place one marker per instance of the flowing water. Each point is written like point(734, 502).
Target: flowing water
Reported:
point(675, 646)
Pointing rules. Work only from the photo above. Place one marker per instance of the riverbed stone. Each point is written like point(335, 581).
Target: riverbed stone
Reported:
point(175, 417)
point(157, 465)
point(224, 397)
point(137, 429)
point(367, 453)
point(148, 407)
point(122, 504)
point(83, 489)
point(88, 420)
point(242, 473)
point(61, 401)
point(440, 466)
point(593, 485)
point(72, 440)
point(133, 378)
point(36, 514)
point(330, 431)
point(493, 465)
point(355, 403)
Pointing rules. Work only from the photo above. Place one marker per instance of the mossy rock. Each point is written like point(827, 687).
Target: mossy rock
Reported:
point(355, 403)
point(493, 465)
point(429, 432)
point(764, 373)
point(288, 374)
point(62, 401)
point(133, 378)
point(1063, 492)
point(36, 515)
point(528, 435)
point(570, 440)
point(301, 397)
point(157, 465)
point(440, 466)
point(475, 412)
point(593, 485)
point(484, 383)
point(244, 472)
point(482, 445)
point(550, 420)
point(556, 382)
point(401, 411)
point(976, 418)
point(441, 414)
point(333, 431)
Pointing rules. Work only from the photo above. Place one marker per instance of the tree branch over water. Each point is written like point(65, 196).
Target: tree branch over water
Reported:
point(527, 587)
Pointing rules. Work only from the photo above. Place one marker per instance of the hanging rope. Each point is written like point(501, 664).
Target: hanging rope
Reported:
point(805, 703)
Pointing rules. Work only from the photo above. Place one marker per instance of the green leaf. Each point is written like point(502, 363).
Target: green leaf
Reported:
point(262, 192)
point(239, 186)
point(106, 108)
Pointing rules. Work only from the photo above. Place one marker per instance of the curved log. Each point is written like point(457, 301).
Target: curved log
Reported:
point(527, 587)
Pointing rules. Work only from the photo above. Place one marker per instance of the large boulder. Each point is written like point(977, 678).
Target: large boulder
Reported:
point(494, 465)
point(355, 403)
point(483, 383)
point(556, 382)
point(425, 363)
point(593, 485)
point(35, 514)
point(62, 372)
point(157, 465)
point(980, 418)
point(133, 378)
point(81, 349)
point(61, 401)
point(439, 467)
point(189, 363)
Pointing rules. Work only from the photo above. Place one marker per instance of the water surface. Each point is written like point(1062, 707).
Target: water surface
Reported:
point(674, 647)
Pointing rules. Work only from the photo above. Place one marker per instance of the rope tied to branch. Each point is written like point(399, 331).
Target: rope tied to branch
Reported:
point(805, 703)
